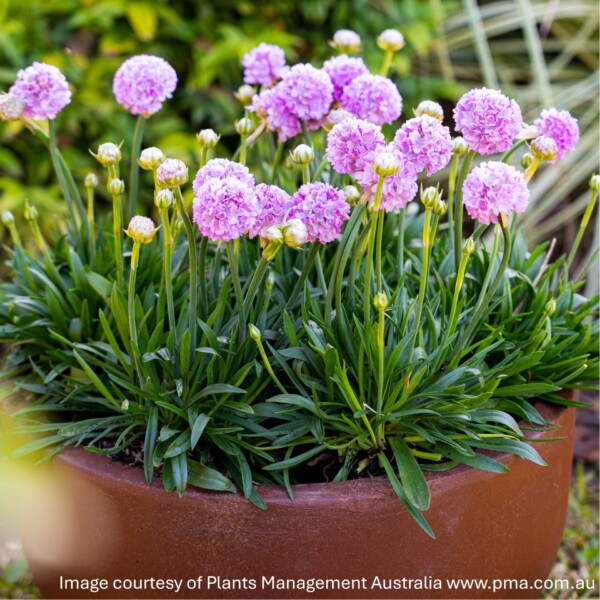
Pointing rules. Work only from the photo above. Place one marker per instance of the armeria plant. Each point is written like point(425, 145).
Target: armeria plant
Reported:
point(319, 312)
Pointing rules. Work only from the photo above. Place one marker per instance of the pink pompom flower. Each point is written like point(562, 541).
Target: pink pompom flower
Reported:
point(220, 168)
point(493, 188)
point(349, 143)
point(264, 64)
point(342, 70)
point(561, 127)
point(372, 98)
point(275, 204)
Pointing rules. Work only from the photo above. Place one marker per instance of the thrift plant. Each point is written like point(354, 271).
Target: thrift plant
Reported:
point(317, 297)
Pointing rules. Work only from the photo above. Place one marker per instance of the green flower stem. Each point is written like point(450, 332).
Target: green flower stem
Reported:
point(193, 307)
point(370, 251)
point(400, 251)
point(14, 234)
point(451, 194)
point(490, 271)
point(310, 259)
point(265, 359)
point(202, 271)
point(243, 149)
point(321, 273)
point(380, 373)
point(460, 277)
point(512, 150)
point(531, 169)
point(135, 255)
point(237, 289)
point(320, 168)
point(91, 226)
point(257, 278)
point(203, 152)
point(305, 133)
point(482, 306)
point(378, 249)
point(134, 171)
point(427, 245)
point(458, 213)
point(305, 174)
point(582, 227)
point(167, 260)
point(117, 227)
point(276, 161)
point(387, 63)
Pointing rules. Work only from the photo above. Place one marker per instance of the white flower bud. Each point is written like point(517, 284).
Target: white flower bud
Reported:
point(352, 194)
point(8, 218)
point(302, 154)
point(31, 212)
point(390, 40)
point(108, 154)
point(90, 181)
point(544, 148)
point(527, 160)
point(295, 233)
point(207, 138)
point(346, 41)
point(551, 307)
point(433, 109)
point(429, 197)
point(254, 332)
point(595, 183)
point(469, 246)
point(386, 164)
point(141, 229)
point(245, 94)
point(244, 127)
point(380, 302)
point(460, 145)
point(274, 235)
point(116, 187)
point(151, 158)
point(171, 173)
point(11, 107)
point(440, 207)
point(164, 199)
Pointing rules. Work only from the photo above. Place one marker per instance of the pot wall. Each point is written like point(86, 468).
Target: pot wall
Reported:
point(492, 526)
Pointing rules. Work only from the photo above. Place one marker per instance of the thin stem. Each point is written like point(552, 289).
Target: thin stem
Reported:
point(257, 278)
point(451, 193)
point(380, 372)
point(321, 273)
point(193, 307)
point(582, 226)
point(135, 254)
point(314, 250)
point(370, 250)
point(276, 160)
point(458, 223)
point(479, 312)
point(305, 133)
point(427, 244)
point(400, 255)
point(134, 171)
point(202, 271)
point(237, 289)
point(203, 151)
point(168, 253)
point(387, 63)
point(117, 226)
point(305, 174)
point(512, 150)
point(490, 271)
point(378, 249)
point(268, 367)
point(91, 226)
point(243, 149)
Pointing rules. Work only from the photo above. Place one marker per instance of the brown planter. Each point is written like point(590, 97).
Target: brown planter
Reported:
point(488, 526)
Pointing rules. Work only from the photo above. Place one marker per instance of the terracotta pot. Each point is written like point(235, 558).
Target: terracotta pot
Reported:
point(488, 526)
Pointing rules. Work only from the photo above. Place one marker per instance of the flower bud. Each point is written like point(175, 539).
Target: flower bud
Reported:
point(302, 154)
point(178, 226)
point(270, 281)
point(31, 212)
point(141, 229)
point(352, 194)
point(244, 127)
point(527, 160)
point(460, 145)
point(429, 197)
point(207, 138)
point(380, 302)
point(390, 40)
point(595, 183)
point(116, 187)
point(469, 246)
point(11, 107)
point(254, 332)
point(544, 148)
point(294, 233)
point(274, 235)
point(90, 181)
point(433, 109)
point(171, 173)
point(108, 154)
point(164, 199)
point(551, 307)
point(386, 164)
point(8, 218)
point(346, 41)
point(440, 207)
point(151, 158)
point(125, 404)
point(245, 94)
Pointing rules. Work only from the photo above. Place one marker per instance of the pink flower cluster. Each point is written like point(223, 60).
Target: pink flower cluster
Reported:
point(372, 98)
point(143, 82)
point(275, 204)
point(488, 120)
point(342, 70)
point(493, 188)
point(43, 90)
point(264, 64)
point(561, 127)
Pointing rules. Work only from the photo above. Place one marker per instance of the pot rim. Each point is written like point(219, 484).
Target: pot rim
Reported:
point(95, 465)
